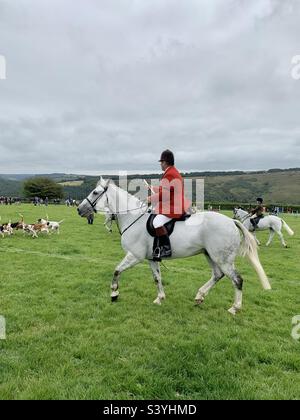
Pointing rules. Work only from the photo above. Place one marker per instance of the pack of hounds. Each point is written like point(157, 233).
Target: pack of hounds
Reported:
point(32, 229)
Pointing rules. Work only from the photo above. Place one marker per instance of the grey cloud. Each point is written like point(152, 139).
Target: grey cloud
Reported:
point(106, 85)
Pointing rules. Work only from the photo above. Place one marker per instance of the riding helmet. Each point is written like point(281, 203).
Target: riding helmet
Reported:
point(167, 156)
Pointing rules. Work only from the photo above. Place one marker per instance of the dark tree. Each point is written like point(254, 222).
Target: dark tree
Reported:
point(42, 188)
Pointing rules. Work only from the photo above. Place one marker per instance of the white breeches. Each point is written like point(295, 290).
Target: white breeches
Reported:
point(160, 220)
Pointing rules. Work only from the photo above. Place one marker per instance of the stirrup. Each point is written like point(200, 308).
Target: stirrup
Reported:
point(156, 254)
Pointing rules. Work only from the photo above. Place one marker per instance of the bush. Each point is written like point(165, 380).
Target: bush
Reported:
point(42, 188)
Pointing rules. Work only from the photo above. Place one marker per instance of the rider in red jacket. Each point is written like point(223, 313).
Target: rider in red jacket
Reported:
point(169, 201)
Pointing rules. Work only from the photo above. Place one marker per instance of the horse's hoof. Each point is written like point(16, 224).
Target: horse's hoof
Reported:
point(114, 296)
point(157, 301)
point(199, 302)
point(233, 310)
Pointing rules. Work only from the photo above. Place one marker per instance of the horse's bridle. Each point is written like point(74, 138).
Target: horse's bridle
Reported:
point(94, 203)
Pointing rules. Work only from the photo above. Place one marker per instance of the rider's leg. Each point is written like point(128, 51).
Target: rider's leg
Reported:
point(160, 220)
point(164, 248)
point(255, 220)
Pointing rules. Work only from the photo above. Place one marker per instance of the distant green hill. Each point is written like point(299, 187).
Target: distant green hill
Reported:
point(10, 188)
point(276, 186)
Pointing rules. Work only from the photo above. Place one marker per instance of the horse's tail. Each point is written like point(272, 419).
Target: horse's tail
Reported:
point(287, 228)
point(249, 249)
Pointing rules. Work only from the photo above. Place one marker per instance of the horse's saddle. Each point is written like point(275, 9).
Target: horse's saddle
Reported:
point(169, 226)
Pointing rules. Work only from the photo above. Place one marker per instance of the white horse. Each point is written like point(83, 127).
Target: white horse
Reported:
point(273, 223)
point(215, 235)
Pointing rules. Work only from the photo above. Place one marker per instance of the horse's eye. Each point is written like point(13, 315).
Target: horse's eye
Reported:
point(95, 192)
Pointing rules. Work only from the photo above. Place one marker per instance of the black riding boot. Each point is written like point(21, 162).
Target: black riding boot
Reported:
point(254, 224)
point(163, 245)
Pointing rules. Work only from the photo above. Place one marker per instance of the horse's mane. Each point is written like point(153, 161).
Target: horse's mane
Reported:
point(243, 209)
point(129, 196)
point(122, 192)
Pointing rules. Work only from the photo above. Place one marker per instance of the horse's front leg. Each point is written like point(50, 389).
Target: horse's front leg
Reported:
point(128, 262)
point(155, 267)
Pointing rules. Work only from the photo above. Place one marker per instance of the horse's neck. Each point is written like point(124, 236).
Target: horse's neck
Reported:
point(243, 214)
point(247, 223)
point(124, 205)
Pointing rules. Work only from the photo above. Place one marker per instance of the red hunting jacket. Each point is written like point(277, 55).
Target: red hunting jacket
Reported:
point(169, 198)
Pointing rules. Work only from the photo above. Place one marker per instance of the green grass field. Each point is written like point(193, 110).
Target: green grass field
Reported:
point(66, 340)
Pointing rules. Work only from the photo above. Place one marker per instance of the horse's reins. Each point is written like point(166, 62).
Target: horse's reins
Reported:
point(128, 227)
point(246, 217)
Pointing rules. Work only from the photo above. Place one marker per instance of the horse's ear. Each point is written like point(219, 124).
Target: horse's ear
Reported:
point(101, 182)
point(104, 183)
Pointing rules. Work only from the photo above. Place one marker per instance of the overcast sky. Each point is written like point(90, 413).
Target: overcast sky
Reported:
point(94, 86)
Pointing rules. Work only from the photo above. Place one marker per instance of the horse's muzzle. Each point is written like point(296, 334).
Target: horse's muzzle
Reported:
point(81, 212)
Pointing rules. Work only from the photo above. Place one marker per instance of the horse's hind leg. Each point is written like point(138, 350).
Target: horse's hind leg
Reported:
point(237, 282)
point(128, 262)
point(272, 233)
point(155, 267)
point(282, 238)
point(217, 275)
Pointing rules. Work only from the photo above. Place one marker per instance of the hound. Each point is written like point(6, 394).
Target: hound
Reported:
point(34, 228)
point(18, 225)
point(53, 226)
point(6, 229)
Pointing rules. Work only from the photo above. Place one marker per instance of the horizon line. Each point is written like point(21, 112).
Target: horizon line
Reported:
point(141, 172)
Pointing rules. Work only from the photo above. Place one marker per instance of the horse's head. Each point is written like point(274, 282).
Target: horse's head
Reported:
point(96, 201)
point(239, 213)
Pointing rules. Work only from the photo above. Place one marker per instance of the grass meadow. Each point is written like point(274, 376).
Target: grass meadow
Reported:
point(66, 340)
